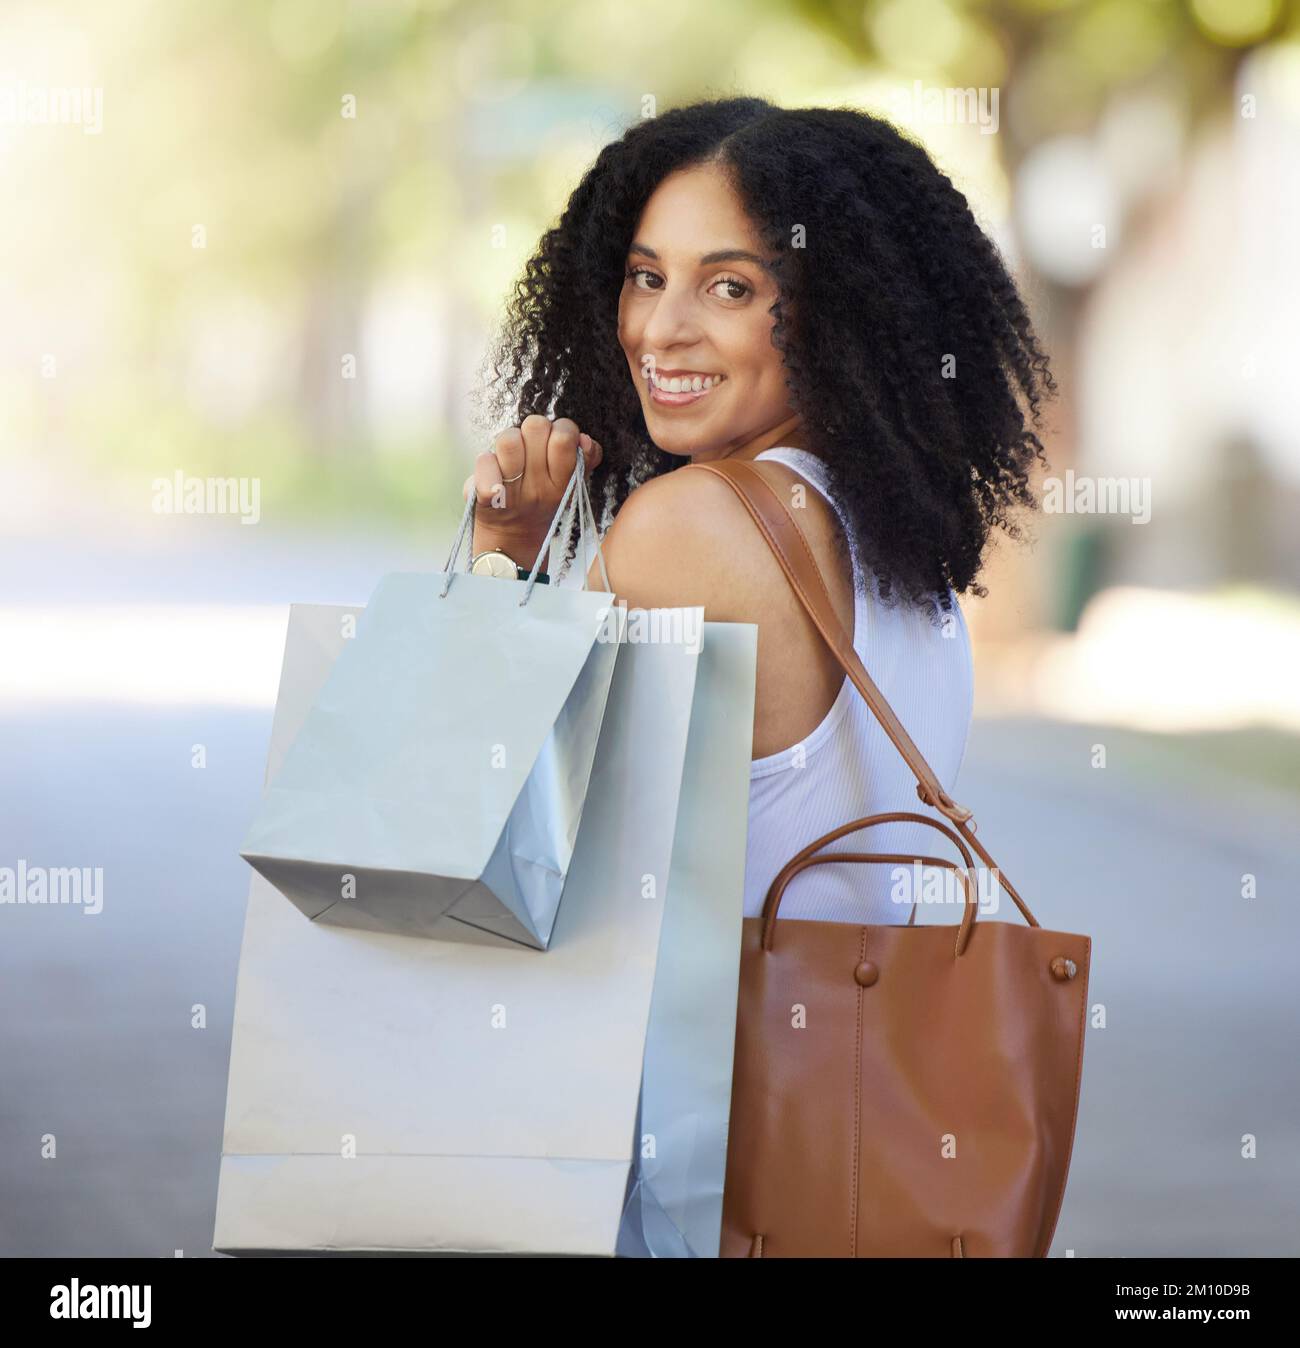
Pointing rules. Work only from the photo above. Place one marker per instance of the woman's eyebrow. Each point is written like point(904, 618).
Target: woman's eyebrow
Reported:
point(709, 259)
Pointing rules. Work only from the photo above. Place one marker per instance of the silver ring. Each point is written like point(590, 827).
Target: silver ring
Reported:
point(512, 479)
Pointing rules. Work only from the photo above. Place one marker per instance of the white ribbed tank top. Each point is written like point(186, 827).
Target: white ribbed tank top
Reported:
point(847, 767)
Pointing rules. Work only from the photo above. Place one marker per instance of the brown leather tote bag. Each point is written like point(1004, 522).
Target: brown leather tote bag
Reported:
point(898, 1090)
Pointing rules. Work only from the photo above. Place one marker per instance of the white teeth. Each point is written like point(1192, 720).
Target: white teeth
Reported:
point(689, 383)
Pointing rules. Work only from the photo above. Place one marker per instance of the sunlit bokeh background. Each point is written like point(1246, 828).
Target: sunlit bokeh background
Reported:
point(269, 240)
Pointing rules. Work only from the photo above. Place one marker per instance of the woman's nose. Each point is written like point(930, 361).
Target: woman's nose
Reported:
point(672, 320)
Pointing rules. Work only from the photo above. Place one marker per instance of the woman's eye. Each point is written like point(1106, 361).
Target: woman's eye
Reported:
point(736, 288)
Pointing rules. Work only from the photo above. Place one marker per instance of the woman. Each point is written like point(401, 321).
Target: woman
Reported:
point(803, 289)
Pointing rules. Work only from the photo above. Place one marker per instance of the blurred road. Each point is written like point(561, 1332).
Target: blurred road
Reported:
point(97, 1049)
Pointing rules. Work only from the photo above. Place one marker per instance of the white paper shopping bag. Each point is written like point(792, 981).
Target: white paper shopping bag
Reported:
point(396, 1093)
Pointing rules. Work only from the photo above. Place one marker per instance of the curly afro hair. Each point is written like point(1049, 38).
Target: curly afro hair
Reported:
point(908, 352)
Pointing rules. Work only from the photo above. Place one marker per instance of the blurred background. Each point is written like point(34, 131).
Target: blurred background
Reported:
point(268, 242)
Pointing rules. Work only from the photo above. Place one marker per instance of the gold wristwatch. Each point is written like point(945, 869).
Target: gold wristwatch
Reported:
point(494, 562)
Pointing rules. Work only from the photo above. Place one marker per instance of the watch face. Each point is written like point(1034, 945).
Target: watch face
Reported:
point(495, 564)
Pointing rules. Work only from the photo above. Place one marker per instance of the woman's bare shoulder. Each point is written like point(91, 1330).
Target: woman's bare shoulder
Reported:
point(685, 538)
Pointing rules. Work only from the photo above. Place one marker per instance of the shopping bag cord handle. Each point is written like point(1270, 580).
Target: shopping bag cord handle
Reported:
point(585, 512)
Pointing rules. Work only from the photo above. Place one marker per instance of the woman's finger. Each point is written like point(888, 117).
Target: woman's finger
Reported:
point(535, 431)
point(512, 456)
point(488, 481)
point(591, 450)
point(562, 452)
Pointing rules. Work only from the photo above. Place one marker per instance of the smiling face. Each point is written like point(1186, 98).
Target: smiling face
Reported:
point(693, 320)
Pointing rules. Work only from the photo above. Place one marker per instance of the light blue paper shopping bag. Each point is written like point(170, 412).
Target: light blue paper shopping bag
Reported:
point(673, 1207)
point(437, 782)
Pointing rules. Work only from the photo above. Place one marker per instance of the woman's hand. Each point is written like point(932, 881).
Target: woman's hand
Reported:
point(516, 516)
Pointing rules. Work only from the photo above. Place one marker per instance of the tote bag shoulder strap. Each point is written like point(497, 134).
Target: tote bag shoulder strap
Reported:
point(790, 547)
